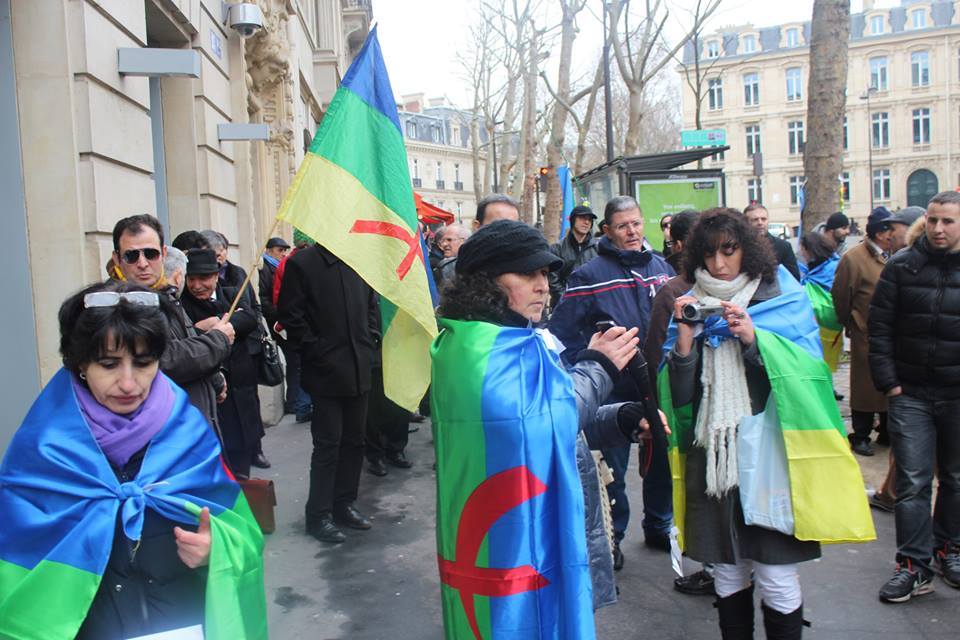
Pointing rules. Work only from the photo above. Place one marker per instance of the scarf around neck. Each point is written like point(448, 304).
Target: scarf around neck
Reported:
point(726, 398)
point(121, 436)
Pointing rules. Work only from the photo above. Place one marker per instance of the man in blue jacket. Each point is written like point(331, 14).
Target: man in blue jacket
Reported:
point(619, 285)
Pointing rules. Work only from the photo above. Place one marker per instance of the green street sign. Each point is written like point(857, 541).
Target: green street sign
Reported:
point(703, 138)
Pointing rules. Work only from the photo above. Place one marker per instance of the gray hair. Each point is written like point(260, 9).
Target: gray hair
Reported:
point(618, 204)
point(175, 261)
point(946, 197)
point(215, 239)
point(461, 230)
point(491, 199)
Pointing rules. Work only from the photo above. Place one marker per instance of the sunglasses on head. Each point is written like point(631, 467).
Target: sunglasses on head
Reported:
point(113, 298)
point(132, 256)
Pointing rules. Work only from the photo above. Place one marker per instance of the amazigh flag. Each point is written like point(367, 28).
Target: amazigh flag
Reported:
point(353, 194)
point(826, 487)
point(817, 282)
point(60, 499)
point(511, 530)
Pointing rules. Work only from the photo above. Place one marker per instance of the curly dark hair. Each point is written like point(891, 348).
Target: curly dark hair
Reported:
point(474, 296)
point(721, 226)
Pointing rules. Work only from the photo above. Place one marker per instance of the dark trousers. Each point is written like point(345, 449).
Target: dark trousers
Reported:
point(862, 423)
point(924, 433)
point(296, 399)
point(657, 492)
point(337, 428)
point(387, 423)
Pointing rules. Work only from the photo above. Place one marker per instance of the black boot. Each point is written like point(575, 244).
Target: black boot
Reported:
point(782, 626)
point(736, 615)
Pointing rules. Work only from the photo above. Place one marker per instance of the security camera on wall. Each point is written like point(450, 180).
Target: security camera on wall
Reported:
point(244, 17)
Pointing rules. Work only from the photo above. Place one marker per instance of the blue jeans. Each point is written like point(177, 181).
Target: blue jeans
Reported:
point(925, 433)
point(657, 493)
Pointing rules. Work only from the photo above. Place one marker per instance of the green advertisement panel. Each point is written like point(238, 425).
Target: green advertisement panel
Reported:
point(658, 197)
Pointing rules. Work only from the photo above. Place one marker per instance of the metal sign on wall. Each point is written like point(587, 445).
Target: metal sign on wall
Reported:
point(703, 138)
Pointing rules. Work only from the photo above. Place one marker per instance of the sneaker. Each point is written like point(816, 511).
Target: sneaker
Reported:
point(907, 581)
point(946, 562)
point(695, 584)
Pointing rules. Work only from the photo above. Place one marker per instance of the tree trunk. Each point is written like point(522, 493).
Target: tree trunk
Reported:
point(632, 140)
point(826, 104)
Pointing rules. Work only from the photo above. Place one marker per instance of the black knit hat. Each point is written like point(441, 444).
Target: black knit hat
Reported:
point(836, 221)
point(202, 262)
point(506, 246)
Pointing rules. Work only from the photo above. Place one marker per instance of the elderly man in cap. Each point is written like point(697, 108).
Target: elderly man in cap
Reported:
point(901, 221)
point(576, 248)
point(836, 230)
point(857, 276)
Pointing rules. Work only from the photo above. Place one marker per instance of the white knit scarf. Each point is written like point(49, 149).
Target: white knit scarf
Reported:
point(726, 398)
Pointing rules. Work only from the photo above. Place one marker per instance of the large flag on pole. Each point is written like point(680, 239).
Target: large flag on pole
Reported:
point(353, 194)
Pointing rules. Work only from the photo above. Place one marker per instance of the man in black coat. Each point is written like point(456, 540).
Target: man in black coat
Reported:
point(576, 248)
point(329, 313)
point(275, 251)
point(758, 217)
point(914, 329)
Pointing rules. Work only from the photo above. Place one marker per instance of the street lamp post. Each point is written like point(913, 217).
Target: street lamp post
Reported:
point(607, 106)
point(866, 96)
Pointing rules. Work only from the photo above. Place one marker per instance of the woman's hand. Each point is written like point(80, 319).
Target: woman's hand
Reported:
point(741, 325)
point(617, 343)
point(684, 330)
point(194, 548)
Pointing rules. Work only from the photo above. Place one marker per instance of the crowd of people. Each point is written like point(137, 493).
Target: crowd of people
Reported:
point(567, 322)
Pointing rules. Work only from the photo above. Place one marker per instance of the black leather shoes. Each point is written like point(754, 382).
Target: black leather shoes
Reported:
point(657, 541)
point(325, 530)
point(862, 448)
point(377, 468)
point(617, 557)
point(398, 460)
point(348, 516)
point(260, 461)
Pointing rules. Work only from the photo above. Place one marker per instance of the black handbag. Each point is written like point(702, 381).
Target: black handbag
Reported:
point(269, 368)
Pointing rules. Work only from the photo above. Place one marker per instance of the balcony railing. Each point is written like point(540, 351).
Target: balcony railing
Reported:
point(441, 184)
point(458, 186)
point(417, 182)
point(357, 4)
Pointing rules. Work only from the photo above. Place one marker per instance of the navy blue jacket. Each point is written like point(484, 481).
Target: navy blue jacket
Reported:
point(616, 285)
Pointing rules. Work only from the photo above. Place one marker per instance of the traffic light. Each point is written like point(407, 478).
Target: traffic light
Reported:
point(542, 177)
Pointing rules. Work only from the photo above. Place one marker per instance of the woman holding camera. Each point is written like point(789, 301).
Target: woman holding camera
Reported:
point(726, 367)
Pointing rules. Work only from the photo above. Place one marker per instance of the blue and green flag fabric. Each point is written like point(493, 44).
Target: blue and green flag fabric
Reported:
point(826, 486)
point(60, 501)
point(353, 194)
point(511, 537)
point(818, 282)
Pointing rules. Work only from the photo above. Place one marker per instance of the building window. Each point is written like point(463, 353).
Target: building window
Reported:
point(439, 171)
point(416, 169)
point(881, 184)
point(920, 68)
point(411, 129)
point(713, 49)
point(796, 186)
point(921, 126)
point(456, 172)
point(437, 135)
point(754, 190)
point(753, 139)
point(749, 43)
point(878, 73)
point(918, 19)
point(455, 134)
point(876, 25)
point(793, 37)
point(794, 84)
point(751, 89)
point(880, 128)
point(795, 137)
point(845, 186)
point(846, 139)
point(715, 93)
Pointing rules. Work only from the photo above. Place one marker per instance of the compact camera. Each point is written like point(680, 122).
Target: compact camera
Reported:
point(694, 312)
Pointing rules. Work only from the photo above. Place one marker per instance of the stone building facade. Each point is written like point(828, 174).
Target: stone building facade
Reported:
point(84, 145)
point(902, 133)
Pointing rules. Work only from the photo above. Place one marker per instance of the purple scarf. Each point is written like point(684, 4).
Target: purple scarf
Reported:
point(122, 436)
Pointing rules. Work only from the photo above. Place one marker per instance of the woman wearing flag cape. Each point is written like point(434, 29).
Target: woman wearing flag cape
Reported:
point(120, 519)
point(816, 276)
point(520, 539)
point(755, 359)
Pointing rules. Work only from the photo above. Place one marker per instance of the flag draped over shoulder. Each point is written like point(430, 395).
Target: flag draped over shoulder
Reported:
point(566, 192)
point(817, 282)
point(511, 539)
point(353, 194)
point(60, 500)
point(826, 486)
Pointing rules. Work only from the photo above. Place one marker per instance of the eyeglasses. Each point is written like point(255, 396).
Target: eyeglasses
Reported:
point(664, 225)
point(113, 298)
point(132, 256)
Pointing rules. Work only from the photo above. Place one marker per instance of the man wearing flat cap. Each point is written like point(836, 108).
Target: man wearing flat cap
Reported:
point(857, 276)
point(576, 248)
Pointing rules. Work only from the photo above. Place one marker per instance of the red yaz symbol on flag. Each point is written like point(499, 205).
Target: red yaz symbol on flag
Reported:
point(389, 230)
point(494, 497)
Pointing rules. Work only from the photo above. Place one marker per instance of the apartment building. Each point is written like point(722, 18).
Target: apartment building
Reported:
point(902, 123)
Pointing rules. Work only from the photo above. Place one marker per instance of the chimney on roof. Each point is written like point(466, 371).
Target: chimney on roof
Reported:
point(413, 102)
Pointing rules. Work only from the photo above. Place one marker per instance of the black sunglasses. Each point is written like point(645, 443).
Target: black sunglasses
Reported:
point(132, 256)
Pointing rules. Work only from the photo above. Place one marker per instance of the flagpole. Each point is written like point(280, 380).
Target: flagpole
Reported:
point(246, 282)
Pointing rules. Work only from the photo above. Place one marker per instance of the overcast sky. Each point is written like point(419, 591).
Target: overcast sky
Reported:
point(420, 38)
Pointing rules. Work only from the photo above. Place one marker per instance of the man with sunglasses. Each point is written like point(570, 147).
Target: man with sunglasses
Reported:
point(192, 358)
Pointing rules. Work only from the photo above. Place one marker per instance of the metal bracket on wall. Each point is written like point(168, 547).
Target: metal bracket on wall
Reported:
point(242, 131)
point(158, 63)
